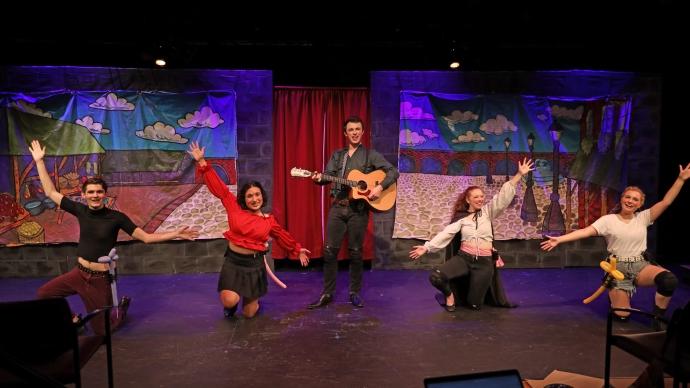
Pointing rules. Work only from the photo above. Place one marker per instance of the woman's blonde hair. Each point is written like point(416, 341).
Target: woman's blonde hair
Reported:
point(617, 208)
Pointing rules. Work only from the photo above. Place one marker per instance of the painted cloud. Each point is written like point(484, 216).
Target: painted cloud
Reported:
point(469, 137)
point(201, 119)
point(161, 132)
point(407, 111)
point(112, 102)
point(567, 113)
point(411, 138)
point(92, 126)
point(498, 125)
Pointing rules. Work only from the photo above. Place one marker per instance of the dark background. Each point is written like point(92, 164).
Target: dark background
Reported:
point(341, 47)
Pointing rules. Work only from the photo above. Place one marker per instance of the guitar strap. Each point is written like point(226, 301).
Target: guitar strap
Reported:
point(343, 162)
point(366, 162)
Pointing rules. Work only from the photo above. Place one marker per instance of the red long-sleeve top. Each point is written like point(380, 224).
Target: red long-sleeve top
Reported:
point(247, 229)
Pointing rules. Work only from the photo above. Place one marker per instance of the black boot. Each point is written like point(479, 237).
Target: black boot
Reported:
point(657, 323)
point(440, 281)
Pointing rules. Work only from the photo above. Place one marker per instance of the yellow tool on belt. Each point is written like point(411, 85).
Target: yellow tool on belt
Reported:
point(609, 266)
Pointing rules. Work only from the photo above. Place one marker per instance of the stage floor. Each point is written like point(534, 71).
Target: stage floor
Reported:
point(176, 335)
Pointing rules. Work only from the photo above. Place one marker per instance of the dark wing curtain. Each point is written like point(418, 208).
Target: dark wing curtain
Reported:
point(307, 130)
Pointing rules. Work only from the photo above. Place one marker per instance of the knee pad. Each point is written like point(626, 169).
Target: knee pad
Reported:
point(440, 281)
point(666, 283)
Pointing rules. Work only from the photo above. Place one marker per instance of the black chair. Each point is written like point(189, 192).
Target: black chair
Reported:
point(664, 351)
point(40, 344)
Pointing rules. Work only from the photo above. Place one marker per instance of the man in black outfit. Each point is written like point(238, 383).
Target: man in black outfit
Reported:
point(348, 215)
point(98, 229)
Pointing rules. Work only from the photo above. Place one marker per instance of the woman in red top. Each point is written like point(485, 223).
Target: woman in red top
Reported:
point(244, 273)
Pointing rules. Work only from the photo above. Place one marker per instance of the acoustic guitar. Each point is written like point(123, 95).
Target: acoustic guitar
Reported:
point(361, 184)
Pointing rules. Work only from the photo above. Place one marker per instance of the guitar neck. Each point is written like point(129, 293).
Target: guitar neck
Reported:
point(342, 181)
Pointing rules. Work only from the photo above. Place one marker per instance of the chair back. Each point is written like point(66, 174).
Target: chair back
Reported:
point(676, 350)
point(39, 344)
point(37, 330)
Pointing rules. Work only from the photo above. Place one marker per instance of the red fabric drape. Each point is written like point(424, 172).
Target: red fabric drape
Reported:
point(307, 129)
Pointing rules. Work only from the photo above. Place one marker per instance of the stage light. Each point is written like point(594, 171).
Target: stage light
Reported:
point(161, 55)
point(454, 57)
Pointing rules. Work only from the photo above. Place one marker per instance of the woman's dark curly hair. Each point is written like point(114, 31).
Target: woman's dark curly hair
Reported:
point(243, 192)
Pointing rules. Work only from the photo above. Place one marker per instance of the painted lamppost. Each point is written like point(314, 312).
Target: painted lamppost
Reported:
point(506, 143)
point(529, 210)
point(554, 224)
point(489, 178)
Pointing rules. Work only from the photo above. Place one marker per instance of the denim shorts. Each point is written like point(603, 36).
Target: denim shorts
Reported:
point(630, 270)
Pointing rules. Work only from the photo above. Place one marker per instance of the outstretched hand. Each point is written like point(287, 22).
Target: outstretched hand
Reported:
point(303, 256)
point(196, 151)
point(684, 173)
point(187, 234)
point(417, 252)
point(525, 166)
point(549, 244)
point(37, 152)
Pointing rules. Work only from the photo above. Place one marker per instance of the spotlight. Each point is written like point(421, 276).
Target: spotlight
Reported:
point(160, 57)
point(454, 58)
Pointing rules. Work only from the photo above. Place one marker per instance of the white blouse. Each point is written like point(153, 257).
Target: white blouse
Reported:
point(471, 230)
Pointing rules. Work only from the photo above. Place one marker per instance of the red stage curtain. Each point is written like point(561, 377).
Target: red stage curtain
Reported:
point(307, 129)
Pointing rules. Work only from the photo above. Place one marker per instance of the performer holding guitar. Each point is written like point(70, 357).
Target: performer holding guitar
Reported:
point(362, 185)
point(349, 212)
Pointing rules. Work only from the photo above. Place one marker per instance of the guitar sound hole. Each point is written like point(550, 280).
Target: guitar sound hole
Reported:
point(362, 185)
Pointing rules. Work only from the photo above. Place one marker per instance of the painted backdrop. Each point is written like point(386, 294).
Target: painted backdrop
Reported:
point(136, 141)
point(451, 141)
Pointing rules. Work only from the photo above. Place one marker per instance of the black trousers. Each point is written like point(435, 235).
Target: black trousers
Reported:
point(352, 218)
point(479, 270)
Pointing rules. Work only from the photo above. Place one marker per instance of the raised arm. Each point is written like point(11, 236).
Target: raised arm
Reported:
point(524, 167)
point(671, 194)
point(215, 185)
point(197, 153)
point(38, 152)
point(552, 242)
point(505, 196)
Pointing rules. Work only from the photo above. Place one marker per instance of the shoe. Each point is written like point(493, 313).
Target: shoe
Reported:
point(230, 312)
point(124, 306)
point(356, 300)
point(474, 307)
point(77, 319)
point(658, 323)
point(324, 299)
point(441, 300)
